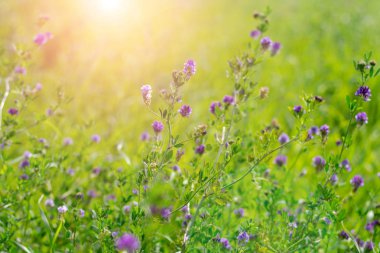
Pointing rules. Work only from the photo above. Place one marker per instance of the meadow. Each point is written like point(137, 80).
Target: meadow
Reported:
point(189, 126)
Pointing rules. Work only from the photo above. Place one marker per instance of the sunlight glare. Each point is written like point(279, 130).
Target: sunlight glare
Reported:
point(109, 6)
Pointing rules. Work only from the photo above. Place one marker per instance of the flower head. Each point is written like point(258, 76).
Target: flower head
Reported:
point(343, 235)
point(189, 68)
point(276, 46)
point(280, 160)
point(265, 43)
point(284, 138)
point(81, 213)
point(214, 105)
point(200, 149)
point(345, 164)
point(68, 141)
point(62, 209)
point(243, 237)
point(228, 100)
point(20, 70)
point(364, 92)
point(325, 129)
point(361, 118)
point(128, 242)
point(225, 243)
point(334, 179)
point(95, 138)
point(42, 38)
point(49, 203)
point(357, 181)
point(255, 34)
point(157, 127)
point(239, 212)
point(146, 92)
point(13, 111)
point(263, 92)
point(319, 163)
point(185, 110)
point(298, 109)
point(145, 136)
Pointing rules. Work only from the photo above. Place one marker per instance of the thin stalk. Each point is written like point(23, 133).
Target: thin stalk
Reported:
point(56, 235)
point(6, 94)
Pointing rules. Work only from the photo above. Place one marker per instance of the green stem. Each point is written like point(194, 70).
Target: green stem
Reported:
point(56, 235)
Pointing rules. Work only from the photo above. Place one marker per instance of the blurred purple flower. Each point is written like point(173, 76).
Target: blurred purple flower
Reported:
point(361, 118)
point(81, 213)
point(13, 111)
point(225, 243)
point(280, 160)
point(128, 242)
point(229, 100)
point(42, 38)
point(265, 43)
point(255, 34)
point(297, 109)
point(243, 237)
point(185, 110)
point(20, 70)
point(49, 203)
point(319, 163)
point(346, 165)
point(145, 136)
point(146, 92)
point(364, 92)
point(214, 105)
point(62, 209)
point(357, 181)
point(239, 212)
point(157, 127)
point(95, 138)
point(276, 46)
point(126, 208)
point(284, 138)
point(68, 141)
point(189, 68)
point(200, 149)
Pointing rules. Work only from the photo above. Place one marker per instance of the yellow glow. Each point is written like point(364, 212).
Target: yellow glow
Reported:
point(109, 6)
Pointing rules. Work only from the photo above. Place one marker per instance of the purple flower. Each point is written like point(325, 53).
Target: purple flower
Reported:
point(359, 242)
point(228, 100)
point(189, 68)
point(361, 118)
point(185, 110)
point(27, 155)
point(185, 209)
point(81, 213)
point(357, 181)
point(280, 160)
point(345, 164)
point(179, 154)
point(145, 136)
point(284, 138)
point(111, 197)
point(126, 208)
point(343, 235)
point(165, 213)
point(24, 163)
point(265, 43)
point(20, 70)
point(135, 191)
point(370, 227)
point(364, 92)
point(327, 220)
point(188, 217)
point(49, 203)
point(157, 127)
point(13, 111)
point(276, 46)
point(128, 242)
point(319, 163)
point(68, 141)
point(369, 246)
point(114, 234)
point(334, 179)
point(71, 172)
point(62, 209)
point(95, 138)
point(255, 34)
point(96, 171)
point(176, 168)
point(24, 177)
point(38, 87)
point(314, 130)
point(146, 92)
point(92, 194)
point(42, 38)
point(298, 109)
point(200, 149)
point(243, 237)
point(325, 129)
point(225, 243)
point(239, 212)
point(214, 105)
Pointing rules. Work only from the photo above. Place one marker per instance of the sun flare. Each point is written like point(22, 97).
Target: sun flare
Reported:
point(109, 6)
